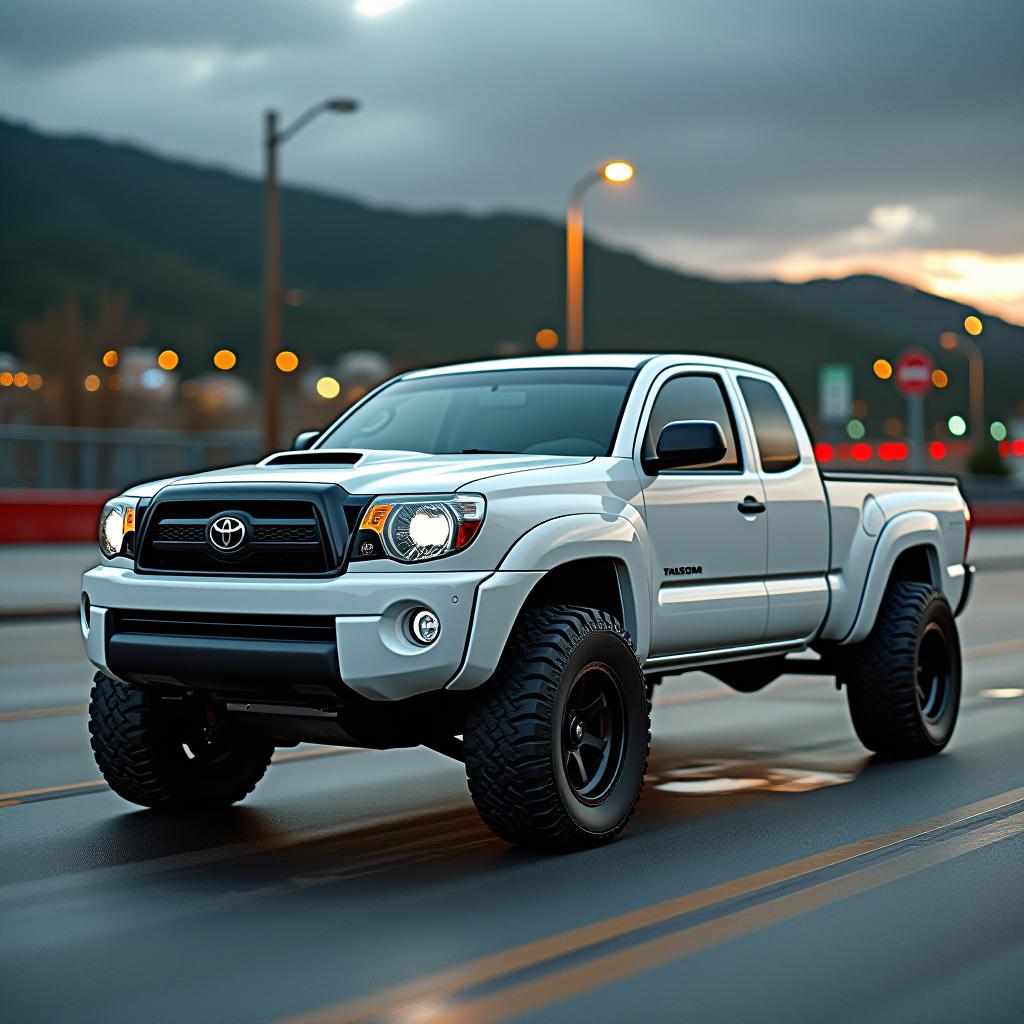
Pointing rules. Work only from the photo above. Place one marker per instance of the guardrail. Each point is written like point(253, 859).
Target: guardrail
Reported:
point(95, 459)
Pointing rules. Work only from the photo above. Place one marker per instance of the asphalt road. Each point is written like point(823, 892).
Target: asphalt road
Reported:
point(773, 871)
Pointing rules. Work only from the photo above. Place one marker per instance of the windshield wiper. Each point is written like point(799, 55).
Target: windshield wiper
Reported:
point(479, 451)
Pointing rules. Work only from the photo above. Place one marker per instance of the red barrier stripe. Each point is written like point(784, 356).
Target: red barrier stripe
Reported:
point(50, 517)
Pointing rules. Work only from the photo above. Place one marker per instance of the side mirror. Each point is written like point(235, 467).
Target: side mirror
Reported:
point(687, 443)
point(304, 441)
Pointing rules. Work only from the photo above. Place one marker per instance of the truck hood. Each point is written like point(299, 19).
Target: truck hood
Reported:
point(375, 472)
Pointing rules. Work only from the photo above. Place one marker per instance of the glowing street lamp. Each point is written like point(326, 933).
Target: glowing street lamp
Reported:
point(616, 172)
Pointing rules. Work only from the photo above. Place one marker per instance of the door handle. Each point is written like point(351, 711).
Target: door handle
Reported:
point(750, 506)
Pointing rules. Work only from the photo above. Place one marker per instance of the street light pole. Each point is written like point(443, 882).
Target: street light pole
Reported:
point(617, 172)
point(273, 139)
point(975, 377)
point(271, 286)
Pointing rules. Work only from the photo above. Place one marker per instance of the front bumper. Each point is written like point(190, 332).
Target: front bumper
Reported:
point(370, 653)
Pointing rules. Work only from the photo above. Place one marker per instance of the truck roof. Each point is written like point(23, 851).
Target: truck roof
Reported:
point(611, 360)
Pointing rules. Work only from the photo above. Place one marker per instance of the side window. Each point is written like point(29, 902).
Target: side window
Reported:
point(693, 397)
point(772, 427)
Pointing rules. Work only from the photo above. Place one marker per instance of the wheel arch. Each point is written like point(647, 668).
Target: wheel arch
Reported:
point(590, 559)
point(907, 549)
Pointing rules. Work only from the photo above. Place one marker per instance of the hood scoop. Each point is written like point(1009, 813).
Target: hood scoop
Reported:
point(322, 457)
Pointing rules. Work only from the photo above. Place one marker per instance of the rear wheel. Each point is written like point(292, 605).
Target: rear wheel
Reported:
point(556, 749)
point(171, 754)
point(903, 682)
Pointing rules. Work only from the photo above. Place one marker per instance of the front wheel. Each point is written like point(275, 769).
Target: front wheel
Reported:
point(557, 747)
point(175, 754)
point(903, 681)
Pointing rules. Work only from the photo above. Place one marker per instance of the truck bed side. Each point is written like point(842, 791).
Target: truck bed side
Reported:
point(915, 526)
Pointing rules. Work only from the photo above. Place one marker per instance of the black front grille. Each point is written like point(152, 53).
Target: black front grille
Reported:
point(288, 530)
point(183, 533)
point(280, 534)
point(315, 628)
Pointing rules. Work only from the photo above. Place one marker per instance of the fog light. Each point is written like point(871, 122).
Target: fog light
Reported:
point(425, 626)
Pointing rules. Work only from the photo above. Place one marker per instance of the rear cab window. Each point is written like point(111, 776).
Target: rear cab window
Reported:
point(773, 429)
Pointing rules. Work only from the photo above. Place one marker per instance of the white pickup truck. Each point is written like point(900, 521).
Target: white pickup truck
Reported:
point(499, 560)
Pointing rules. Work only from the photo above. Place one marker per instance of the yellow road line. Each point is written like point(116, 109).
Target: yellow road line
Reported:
point(417, 997)
point(96, 783)
point(645, 956)
point(9, 799)
point(66, 709)
point(994, 649)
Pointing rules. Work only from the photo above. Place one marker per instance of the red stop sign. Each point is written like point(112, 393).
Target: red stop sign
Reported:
point(914, 372)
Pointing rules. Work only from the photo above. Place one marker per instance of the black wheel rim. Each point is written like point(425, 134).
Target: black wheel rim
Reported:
point(933, 673)
point(593, 733)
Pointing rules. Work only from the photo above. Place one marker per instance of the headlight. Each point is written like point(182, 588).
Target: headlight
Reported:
point(418, 529)
point(117, 523)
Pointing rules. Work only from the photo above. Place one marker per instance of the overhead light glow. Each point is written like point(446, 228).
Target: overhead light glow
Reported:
point(617, 171)
point(375, 8)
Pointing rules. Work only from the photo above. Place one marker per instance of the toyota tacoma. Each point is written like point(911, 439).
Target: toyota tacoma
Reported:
point(499, 561)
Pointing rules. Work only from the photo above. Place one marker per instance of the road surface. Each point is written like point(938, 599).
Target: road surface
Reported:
point(774, 871)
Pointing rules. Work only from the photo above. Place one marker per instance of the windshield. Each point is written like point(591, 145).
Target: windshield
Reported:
point(527, 412)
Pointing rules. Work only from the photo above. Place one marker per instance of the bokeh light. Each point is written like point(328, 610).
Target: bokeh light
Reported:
point(224, 359)
point(167, 360)
point(940, 378)
point(972, 325)
point(855, 429)
point(20, 379)
point(882, 368)
point(957, 426)
point(35, 381)
point(998, 430)
point(328, 387)
point(110, 358)
point(6, 379)
point(91, 383)
point(546, 339)
point(286, 361)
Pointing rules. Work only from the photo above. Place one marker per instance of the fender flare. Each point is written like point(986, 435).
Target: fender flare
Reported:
point(903, 532)
point(541, 549)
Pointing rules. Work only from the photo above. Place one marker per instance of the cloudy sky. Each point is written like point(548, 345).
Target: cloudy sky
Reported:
point(794, 138)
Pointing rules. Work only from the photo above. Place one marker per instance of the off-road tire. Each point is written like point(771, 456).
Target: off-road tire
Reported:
point(138, 743)
point(892, 714)
point(515, 736)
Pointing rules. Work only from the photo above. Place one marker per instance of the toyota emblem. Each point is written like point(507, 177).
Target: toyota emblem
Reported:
point(227, 533)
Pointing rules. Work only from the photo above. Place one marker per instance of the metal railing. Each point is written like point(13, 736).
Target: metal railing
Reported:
point(95, 459)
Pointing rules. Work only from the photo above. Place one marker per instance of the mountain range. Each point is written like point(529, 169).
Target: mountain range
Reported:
point(83, 217)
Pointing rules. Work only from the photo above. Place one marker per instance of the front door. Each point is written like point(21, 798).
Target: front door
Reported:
point(707, 528)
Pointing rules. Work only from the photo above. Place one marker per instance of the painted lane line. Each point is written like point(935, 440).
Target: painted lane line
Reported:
point(421, 994)
point(27, 796)
point(656, 952)
point(66, 709)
